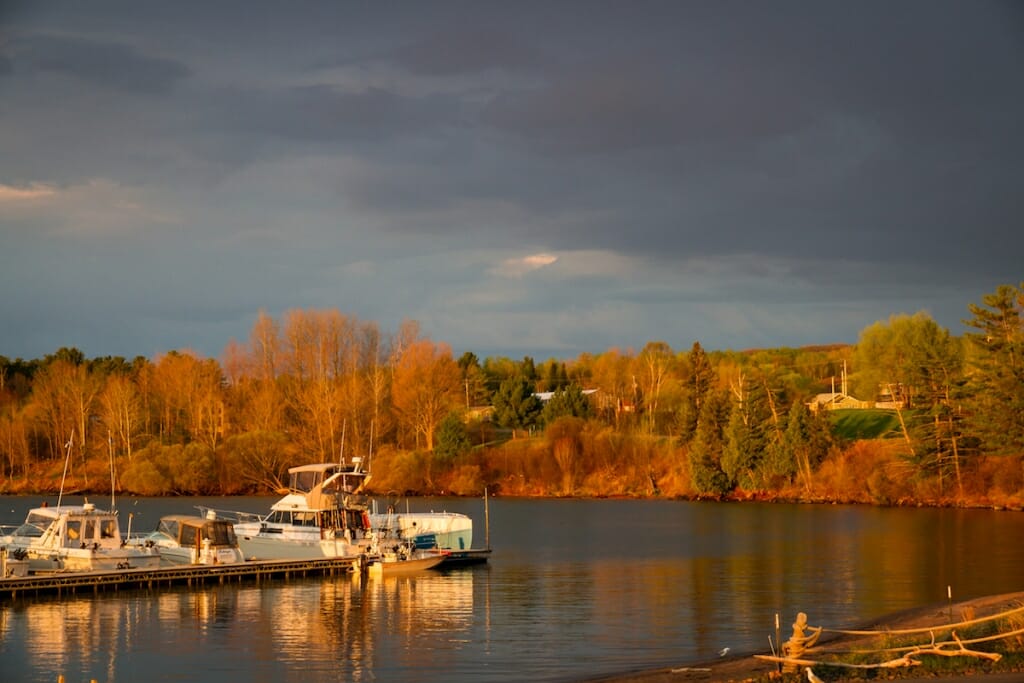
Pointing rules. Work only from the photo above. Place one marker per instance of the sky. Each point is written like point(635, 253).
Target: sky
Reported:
point(522, 178)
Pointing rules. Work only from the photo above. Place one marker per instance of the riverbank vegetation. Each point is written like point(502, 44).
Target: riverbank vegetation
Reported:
point(910, 414)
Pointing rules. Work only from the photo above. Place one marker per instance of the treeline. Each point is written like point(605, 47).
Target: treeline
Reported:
point(320, 385)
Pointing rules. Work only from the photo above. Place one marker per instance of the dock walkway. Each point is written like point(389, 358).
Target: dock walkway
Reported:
point(61, 583)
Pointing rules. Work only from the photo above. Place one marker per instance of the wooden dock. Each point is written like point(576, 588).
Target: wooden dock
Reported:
point(69, 583)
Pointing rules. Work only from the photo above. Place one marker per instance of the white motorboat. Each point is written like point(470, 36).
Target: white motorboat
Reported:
point(190, 539)
point(77, 538)
point(323, 515)
point(392, 557)
point(441, 530)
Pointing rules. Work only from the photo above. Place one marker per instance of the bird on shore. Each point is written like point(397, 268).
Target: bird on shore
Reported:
point(812, 677)
point(723, 652)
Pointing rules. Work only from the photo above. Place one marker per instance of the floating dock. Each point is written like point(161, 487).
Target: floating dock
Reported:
point(461, 558)
point(71, 583)
point(68, 583)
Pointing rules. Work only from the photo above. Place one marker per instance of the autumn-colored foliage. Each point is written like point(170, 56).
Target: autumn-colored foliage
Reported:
point(324, 386)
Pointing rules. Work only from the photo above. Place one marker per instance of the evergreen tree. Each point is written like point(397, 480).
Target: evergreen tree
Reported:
point(452, 438)
point(705, 451)
point(701, 380)
point(806, 442)
point(571, 402)
point(744, 437)
point(936, 372)
point(515, 405)
point(996, 384)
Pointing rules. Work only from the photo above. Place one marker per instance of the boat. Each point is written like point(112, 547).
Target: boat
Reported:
point(193, 539)
point(323, 514)
point(392, 557)
point(13, 564)
point(77, 538)
point(425, 530)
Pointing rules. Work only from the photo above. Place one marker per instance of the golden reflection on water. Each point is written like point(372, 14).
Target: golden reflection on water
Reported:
point(573, 589)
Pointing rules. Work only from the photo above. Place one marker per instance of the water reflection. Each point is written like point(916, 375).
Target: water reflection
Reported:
point(574, 589)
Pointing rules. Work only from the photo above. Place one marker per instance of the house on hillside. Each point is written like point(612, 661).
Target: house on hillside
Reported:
point(478, 414)
point(890, 397)
point(837, 400)
point(546, 396)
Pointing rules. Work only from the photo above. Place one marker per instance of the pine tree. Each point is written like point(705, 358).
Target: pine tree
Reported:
point(996, 383)
point(515, 406)
point(705, 452)
point(699, 383)
point(744, 437)
point(570, 401)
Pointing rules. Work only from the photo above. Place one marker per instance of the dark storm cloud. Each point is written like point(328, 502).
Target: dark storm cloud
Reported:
point(707, 161)
point(112, 65)
point(326, 114)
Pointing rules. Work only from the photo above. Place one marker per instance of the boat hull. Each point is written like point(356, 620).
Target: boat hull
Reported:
point(84, 560)
point(397, 567)
point(176, 556)
point(443, 530)
point(262, 546)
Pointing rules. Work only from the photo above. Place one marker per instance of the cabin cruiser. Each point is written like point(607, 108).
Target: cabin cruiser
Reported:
point(190, 539)
point(77, 538)
point(324, 514)
point(441, 530)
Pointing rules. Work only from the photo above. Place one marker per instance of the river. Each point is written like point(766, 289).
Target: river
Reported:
point(573, 589)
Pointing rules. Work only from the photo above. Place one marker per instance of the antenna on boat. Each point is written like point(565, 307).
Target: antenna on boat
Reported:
point(67, 458)
point(110, 451)
point(369, 453)
point(341, 453)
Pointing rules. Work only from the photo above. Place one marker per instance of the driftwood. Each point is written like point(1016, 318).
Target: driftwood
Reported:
point(938, 649)
point(911, 654)
point(892, 664)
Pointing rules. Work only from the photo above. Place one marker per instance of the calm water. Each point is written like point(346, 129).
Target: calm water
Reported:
point(573, 589)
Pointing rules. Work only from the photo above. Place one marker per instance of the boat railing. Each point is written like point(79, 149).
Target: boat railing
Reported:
point(233, 516)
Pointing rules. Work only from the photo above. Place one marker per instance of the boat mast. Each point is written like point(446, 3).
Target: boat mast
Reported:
point(67, 458)
point(110, 451)
point(341, 453)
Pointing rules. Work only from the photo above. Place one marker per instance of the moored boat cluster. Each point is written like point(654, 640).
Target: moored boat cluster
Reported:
point(324, 514)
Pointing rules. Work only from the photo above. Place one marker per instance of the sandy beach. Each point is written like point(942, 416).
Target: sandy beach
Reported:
point(745, 667)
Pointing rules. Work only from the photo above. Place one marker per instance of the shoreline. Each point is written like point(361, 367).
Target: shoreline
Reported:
point(744, 666)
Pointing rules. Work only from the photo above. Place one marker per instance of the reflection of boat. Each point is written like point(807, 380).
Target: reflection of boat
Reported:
point(188, 539)
point(323, 515)
point(443, 530)
point(401, 557)
point(77, 538)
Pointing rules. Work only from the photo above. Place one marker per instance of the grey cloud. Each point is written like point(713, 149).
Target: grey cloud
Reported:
point(324, 114)
point(466, 49)
point(108, 64)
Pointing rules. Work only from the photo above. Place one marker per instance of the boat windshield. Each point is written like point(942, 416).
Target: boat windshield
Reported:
point(306, 480)
point(222, 533)
point(29, 530)
point(169, 527)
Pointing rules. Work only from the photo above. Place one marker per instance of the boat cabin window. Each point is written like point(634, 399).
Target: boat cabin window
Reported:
point(304, 519)
point(90, 530)
point(108, 529)
point(221, 533)
point(306, 481)
point(73, 533)
point(189, 535)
